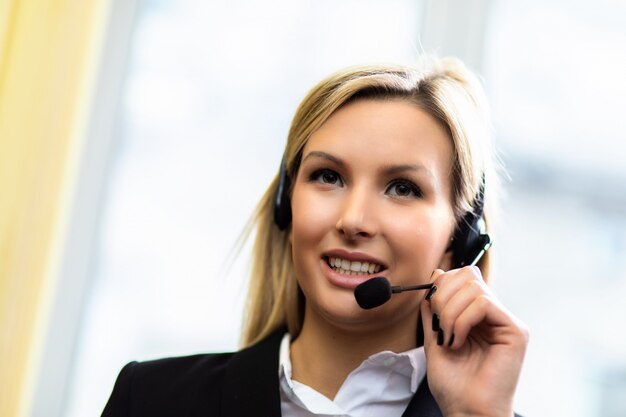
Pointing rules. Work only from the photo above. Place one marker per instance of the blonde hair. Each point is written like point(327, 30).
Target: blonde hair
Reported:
point(442, 87)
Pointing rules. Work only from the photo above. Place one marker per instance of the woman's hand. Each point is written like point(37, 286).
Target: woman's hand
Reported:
point(475, 352)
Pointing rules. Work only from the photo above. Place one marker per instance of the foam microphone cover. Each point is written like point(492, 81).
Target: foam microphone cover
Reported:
point(373, 293)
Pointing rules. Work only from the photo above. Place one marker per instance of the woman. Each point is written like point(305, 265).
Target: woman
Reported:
point(385, 173)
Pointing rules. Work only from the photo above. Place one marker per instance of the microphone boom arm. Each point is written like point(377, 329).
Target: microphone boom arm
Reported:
point(399, 288)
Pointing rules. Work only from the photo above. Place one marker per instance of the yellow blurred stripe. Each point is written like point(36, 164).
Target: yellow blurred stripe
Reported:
point(48, 57)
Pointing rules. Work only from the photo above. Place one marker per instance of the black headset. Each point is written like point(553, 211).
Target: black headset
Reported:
point(469, 243)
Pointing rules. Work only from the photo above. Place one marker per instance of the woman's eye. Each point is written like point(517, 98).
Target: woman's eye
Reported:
point(404, 189)
point(326, 176)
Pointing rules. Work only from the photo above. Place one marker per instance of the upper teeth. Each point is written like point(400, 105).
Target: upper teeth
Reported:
point(354, 266)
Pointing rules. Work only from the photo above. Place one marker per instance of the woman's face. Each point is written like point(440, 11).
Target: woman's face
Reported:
point(372, 197)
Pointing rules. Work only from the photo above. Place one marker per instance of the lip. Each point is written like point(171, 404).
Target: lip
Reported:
point(349, 282)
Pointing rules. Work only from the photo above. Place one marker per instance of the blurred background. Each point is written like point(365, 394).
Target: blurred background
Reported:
point(136, 137)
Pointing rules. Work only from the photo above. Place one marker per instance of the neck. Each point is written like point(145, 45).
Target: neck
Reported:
point(341, 351)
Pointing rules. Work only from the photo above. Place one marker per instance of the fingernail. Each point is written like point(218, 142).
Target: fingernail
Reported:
point(432, 273)
point(431, 292)
point(440, 337)
point(435, 323)
point(451, 340)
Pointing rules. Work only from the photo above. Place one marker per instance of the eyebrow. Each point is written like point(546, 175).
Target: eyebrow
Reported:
point(398, 169)
point(324, 155)
point(388, 169)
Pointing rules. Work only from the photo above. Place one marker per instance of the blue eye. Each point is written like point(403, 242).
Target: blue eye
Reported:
point(326, 176)
point(404, 189)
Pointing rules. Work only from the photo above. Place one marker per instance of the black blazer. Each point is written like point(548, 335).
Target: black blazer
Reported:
point(238, 384)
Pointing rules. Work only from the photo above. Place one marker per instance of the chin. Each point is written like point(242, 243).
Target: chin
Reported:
point(341, 311)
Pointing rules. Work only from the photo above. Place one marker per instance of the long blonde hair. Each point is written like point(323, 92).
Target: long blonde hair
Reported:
point(442, 87)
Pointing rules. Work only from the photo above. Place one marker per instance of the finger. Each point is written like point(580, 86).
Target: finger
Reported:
point(484, 309)
point(433, 277)
point(431, 324)
point(427, 318)
point(444, 286)
point(455, 306)
point(436, 273)
point(449, 284)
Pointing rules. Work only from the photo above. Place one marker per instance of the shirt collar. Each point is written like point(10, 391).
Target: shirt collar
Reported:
point(410, 364)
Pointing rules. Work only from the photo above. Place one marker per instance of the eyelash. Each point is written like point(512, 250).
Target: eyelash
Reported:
point(317, 176)
point(417, 192)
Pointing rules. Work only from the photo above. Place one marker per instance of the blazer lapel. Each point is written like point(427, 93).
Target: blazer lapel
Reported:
point(251, 380)
point(423, 403)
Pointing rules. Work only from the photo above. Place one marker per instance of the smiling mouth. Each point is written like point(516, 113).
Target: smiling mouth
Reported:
point(346, 267)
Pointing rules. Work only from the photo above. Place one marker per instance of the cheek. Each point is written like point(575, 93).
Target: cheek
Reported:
point(420, 238)
point(313, 216)
point(311, 222)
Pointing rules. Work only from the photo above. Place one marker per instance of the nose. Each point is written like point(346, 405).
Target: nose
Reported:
point(357, 216)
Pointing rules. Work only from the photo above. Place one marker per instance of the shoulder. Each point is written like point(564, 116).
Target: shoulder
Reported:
point(168, 386)
point(205, 384)
point(180, 370)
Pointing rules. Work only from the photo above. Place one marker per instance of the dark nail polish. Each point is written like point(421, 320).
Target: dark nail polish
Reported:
point(435, 323)
point(431, 292)
point(440, 337)
point(451, 340)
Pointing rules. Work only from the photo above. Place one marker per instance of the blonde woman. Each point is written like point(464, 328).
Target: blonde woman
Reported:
point(388, 171)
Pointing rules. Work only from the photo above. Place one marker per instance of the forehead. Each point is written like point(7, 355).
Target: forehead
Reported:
point(385, 132)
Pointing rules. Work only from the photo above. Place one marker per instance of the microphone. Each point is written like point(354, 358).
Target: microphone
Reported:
point(377, 291)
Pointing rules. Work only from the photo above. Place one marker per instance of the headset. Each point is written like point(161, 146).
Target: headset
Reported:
point(469, 243)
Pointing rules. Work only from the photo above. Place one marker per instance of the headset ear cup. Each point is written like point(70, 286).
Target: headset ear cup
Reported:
point(465, 241)
point(468, 242)
point(282, 202)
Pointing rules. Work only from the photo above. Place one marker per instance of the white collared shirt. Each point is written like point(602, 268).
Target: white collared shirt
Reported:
point(382, 385)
